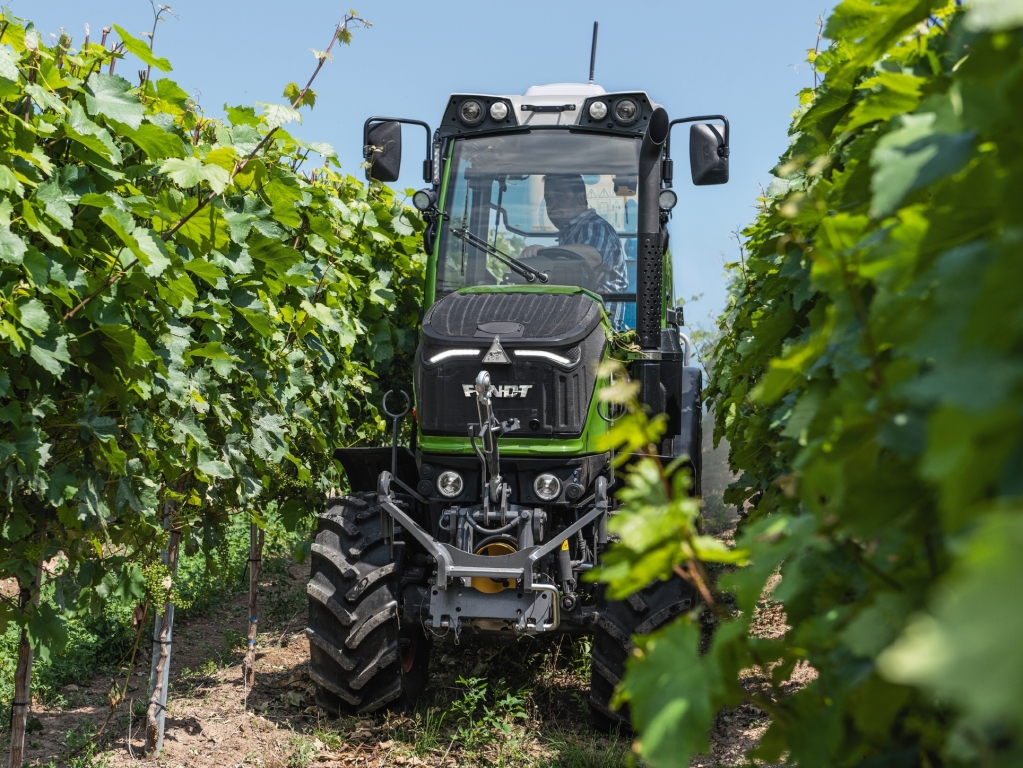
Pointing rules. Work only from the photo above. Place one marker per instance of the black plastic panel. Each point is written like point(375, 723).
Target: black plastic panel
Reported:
point(548, 398)
point(546, 318)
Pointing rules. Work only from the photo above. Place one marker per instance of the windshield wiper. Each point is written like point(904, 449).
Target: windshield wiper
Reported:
point(524, 270)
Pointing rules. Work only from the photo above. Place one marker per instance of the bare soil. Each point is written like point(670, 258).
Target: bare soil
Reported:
point(213, 720)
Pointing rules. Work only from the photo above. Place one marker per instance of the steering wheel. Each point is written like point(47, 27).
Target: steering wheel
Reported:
point(556, 253)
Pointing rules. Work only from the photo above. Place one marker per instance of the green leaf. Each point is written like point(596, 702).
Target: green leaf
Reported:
point(258, 320)
point(34, 316)
point(241, 115)
point(8, 181)
point(151, 251)
point(188, 427)
point(994, 15)
point(126, 345)
point(276, 256)
point(218, 469)
point(142, 50)
point(62, 485)
point(44, 99)
point(51, 354)
point(204, 269)
point(98, 201)
point(276, 115)
point(213, 350)
point(292, 92)
point(81, 129)
point(55, 203)
point(121, 222)
point(157, 143)
point(109, 95)
point(8, 64)
point(889, 94)
point(191, 171)
point(12, 247)
point(912, 157)
point(47, 631)
point(670, 687)
point(293, 513)
point(964, 650)
point(188, 172)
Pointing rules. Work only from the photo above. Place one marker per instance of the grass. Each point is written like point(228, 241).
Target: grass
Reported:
point(521, 704)
point(79, 750)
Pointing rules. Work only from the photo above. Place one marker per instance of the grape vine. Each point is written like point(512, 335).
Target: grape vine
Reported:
point(869, 379)
point(189, 319)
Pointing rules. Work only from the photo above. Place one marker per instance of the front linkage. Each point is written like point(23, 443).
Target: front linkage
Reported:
point(535, 605)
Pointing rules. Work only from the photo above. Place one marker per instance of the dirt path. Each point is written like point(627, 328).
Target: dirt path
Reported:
point(537, 691)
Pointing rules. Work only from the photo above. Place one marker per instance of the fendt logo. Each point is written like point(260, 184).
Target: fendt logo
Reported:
point(504, 390)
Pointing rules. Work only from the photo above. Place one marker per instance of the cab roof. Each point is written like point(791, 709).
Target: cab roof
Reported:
point(555, 104)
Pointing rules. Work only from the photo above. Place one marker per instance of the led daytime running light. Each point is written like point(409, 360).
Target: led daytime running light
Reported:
point(448, 353)
point(544, 354)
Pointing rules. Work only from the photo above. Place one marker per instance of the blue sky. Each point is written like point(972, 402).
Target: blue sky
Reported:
point(741, 58)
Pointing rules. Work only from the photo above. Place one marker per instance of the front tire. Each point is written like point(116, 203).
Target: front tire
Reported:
point(361, 657)
point(616, 622)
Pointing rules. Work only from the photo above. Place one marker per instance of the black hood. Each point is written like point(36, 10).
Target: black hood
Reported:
point(532, 319)
point(550, 395)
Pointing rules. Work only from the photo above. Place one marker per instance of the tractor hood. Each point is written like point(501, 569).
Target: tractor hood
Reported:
point(540, 346)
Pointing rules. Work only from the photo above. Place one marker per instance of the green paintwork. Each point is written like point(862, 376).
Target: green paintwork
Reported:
point(531, 288)
point(431, 258)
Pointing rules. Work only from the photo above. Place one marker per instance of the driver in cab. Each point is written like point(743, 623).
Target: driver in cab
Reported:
point(585, 232)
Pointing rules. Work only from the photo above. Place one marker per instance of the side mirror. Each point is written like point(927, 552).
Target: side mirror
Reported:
point(708, 154)
point(382, 150)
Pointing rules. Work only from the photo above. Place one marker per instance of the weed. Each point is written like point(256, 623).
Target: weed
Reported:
point(479, 722)
point(233, 641)
point(575, 751)
point(301, 752)
point(79, 750)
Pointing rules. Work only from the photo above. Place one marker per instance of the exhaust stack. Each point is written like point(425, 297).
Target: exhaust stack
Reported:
point(650, 243)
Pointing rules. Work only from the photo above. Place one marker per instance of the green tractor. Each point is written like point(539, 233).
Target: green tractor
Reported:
point(546, 237)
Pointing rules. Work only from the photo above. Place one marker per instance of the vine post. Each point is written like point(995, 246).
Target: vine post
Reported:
point(257, 537)
point(163, 634)
point(28, 598)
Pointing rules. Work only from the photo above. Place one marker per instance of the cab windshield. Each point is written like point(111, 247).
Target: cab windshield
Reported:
point(552, 202)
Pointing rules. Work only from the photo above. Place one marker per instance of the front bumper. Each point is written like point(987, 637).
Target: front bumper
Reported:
point(450, 599)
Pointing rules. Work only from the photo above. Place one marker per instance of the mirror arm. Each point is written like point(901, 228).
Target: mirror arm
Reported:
point(667, 171)
point(427, 163)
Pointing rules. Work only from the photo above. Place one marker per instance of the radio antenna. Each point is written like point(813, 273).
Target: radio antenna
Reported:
point(593, 52)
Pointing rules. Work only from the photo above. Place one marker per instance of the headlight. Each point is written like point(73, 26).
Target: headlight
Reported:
point(547, 487)
point(666, 199)
point(499, 110)
point(471, 112)
point(449, 484)
point(626, 111)
point(424, 199)
point(598, 110)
